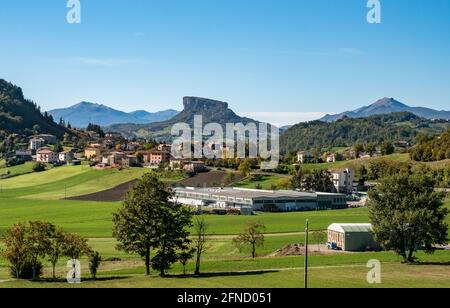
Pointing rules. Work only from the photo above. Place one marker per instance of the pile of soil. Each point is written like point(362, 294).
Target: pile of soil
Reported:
point(290, 250)
point(299, 250)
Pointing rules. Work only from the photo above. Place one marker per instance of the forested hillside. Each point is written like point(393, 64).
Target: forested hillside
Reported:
point(21, 116)
point(347, 131)
point(432, 149)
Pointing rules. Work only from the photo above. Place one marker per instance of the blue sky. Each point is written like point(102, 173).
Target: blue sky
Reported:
point(285, 60)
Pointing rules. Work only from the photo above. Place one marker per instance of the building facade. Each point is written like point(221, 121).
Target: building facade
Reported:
point(352, 237)
point(343, 180)
point(45, 155)
point(304, 157)
point(259, 200)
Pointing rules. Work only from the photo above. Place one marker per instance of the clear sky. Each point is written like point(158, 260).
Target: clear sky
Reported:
point(282, 59)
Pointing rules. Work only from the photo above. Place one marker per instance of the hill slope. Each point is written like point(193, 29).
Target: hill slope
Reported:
point(347, 131)
point(80, 115)
point(386, 106)
point(19, 115)
point(213, 111)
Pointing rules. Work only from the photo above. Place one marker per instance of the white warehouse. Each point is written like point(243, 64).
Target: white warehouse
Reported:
point(259, 200)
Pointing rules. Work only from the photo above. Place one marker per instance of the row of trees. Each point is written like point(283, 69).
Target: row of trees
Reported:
point(27, 245)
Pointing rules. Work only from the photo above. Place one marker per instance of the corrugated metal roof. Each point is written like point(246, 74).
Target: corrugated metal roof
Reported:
point(248, 193)
point(347, 228)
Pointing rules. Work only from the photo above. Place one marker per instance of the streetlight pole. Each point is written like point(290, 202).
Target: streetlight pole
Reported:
point(306, 253)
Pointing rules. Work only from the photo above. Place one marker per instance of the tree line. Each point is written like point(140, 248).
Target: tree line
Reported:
point(347, 132)
point(27, 245)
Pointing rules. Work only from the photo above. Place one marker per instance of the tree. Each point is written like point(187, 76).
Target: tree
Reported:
point(298, 177)
point(319, 237)
point(201, 228)
point(387, 148)
point(245, 167)
point(94, 263)
point(76, 246)
point(184, 256)
point(38, 242)
point(139, 223)
point(408, 214)
point(38, 167)
point(58, 147)
point(16, 249)
point(56, 248)
point(252, 236)
point(171, 234)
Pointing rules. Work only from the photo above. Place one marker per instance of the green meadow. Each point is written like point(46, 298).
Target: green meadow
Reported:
point(40, 196)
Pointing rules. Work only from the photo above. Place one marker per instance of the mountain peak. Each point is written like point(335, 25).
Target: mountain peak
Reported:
point(388, 102)
point(83, 113)
point(388, 105)
point(199, 104)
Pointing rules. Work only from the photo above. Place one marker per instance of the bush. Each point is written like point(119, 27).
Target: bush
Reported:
point(14, 161)
point(94, 263)
point(27, 271)
point(38, 167)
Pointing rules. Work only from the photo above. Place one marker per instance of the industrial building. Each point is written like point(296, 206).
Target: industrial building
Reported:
point(259, 200)
point(352, 237)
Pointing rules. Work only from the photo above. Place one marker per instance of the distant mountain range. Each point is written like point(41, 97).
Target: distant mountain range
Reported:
point(21, 116)
point(213, 111)
point(80, 115)
point(386, 106)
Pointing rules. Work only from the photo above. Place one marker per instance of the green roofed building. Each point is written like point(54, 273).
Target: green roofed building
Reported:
point(352, 237)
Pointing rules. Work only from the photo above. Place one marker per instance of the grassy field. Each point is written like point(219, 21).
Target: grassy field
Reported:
point(8, 172)
point(37, 197)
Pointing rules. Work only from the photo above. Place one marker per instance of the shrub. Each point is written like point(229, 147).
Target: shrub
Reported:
point(27, 271)
point(38, 167)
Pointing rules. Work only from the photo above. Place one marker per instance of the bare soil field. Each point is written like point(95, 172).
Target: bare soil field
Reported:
point(111, 195)
point(209, 179)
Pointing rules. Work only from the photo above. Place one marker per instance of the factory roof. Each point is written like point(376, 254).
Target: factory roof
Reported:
point(248, 193)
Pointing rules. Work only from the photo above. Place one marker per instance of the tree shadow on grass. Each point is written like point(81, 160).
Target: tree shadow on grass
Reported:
point(63, 280)
point(223, 274)
point(431, 263)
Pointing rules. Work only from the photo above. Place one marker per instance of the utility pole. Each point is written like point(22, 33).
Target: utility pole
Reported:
point(306, 253)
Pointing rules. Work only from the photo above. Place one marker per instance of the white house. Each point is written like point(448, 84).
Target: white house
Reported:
point(36, 143)
point(65, 156)
point(304, 157)
point(45, 155)
point(343, 179)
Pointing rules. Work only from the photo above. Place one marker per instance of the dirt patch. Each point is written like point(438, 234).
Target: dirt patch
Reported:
point(209, 179)
point(300, 250)
point(111, 195)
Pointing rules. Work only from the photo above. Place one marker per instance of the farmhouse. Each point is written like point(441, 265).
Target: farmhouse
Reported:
point(159, 157)
point(45, 155)
point(65, 156)
point(36, 143)
point(259, 200)
point(352, 237)
point(343, 180)
point(48, 139)
point(304, 157)
point(92, 152)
